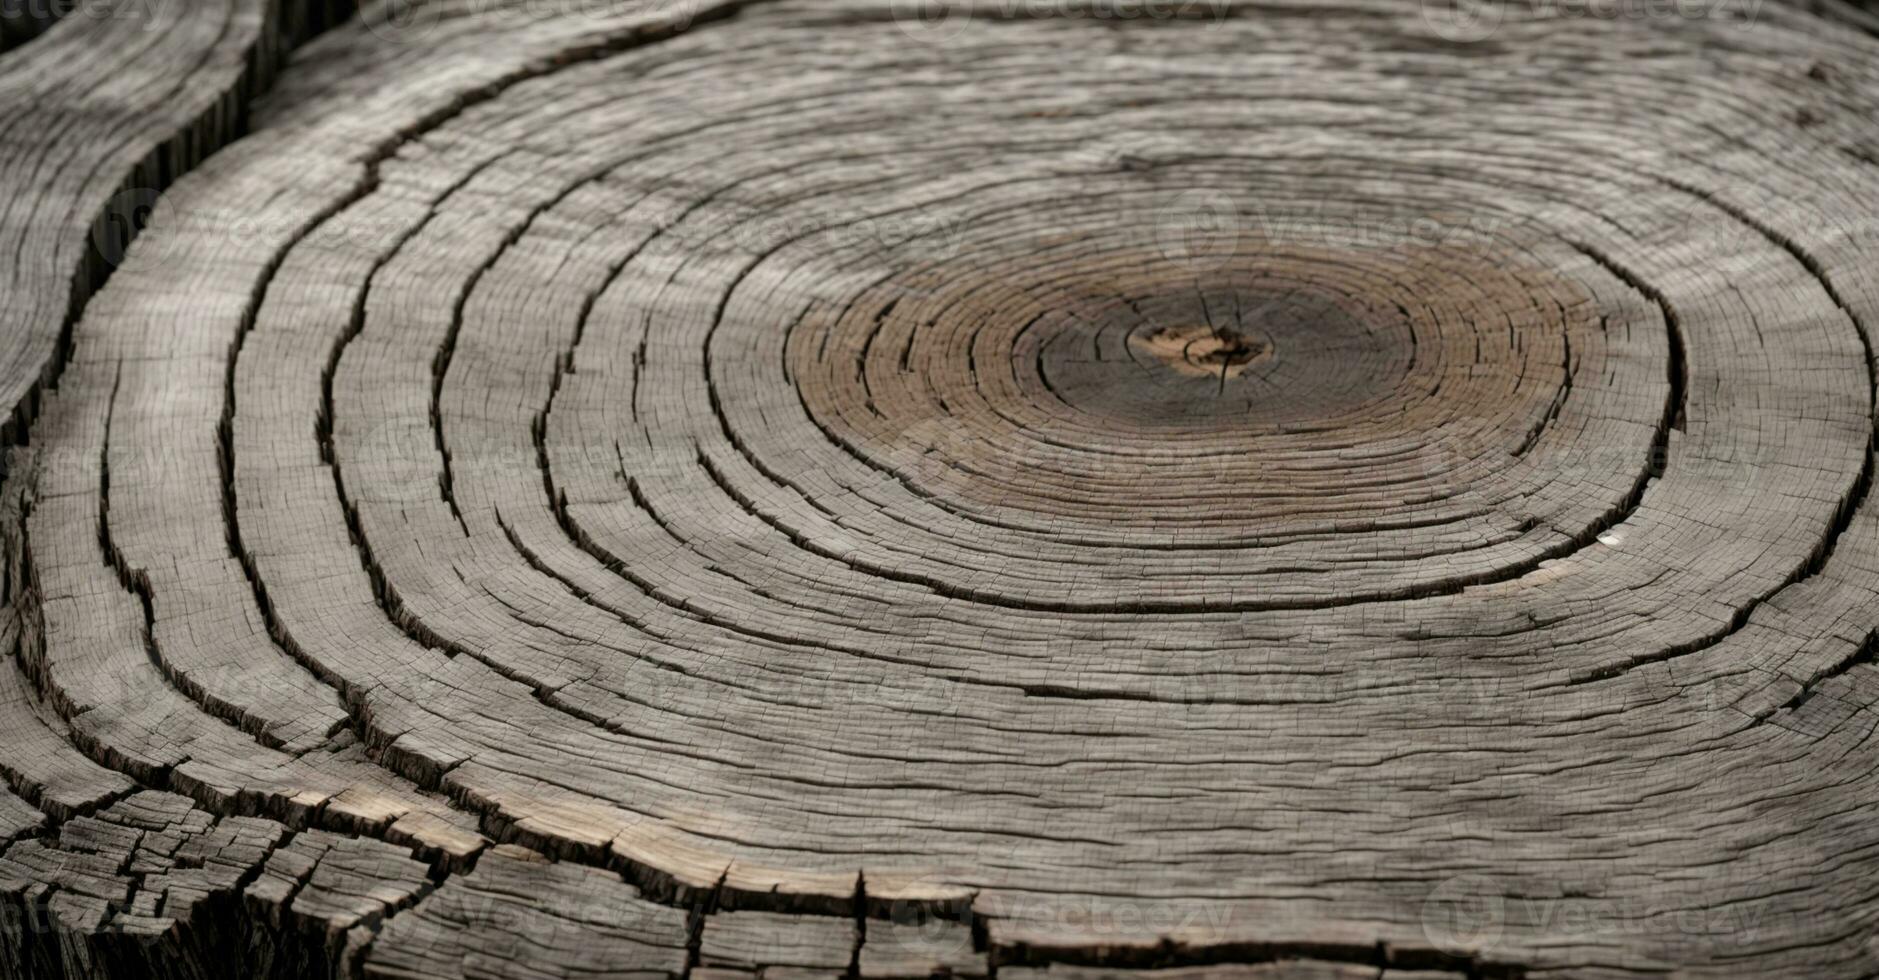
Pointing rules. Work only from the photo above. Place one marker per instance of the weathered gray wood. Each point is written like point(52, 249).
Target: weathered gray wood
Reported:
point(17, 817)
point(147, 887)
point(788, 490)
point(518, 912)
point(769, 942)
point(921, 946)
point(102, 109)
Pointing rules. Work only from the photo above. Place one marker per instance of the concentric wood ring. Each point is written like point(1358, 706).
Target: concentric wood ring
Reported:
point(1149, 491)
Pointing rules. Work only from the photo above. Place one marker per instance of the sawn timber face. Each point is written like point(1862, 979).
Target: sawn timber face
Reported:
point(786, 490)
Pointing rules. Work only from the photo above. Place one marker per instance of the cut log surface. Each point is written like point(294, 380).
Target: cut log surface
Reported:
point(1219, 490)
point(100, 111)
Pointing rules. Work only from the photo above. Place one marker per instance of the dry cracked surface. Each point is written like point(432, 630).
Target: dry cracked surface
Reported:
point(1222, 490)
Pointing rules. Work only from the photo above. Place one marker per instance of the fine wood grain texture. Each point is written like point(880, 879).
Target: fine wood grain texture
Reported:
point(918, 946)
point(771, 491)
point(102, 104)
point(520, 914)
point(801, 945)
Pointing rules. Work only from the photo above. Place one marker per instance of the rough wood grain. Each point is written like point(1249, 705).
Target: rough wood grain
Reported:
point(758, 491)
point(102, 104)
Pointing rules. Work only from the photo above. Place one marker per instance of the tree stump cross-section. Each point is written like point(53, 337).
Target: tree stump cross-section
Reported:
point(848, 488)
